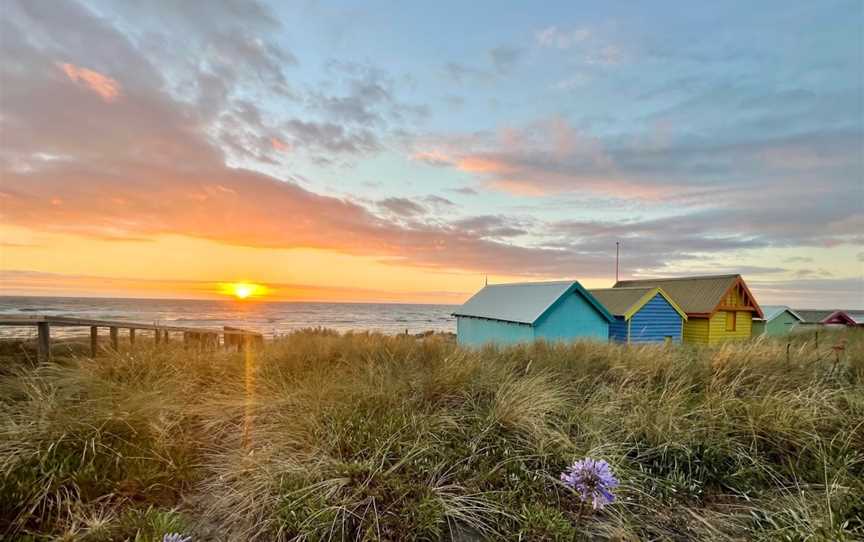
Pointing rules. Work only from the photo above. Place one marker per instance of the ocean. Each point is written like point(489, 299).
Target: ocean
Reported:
point(269, 318)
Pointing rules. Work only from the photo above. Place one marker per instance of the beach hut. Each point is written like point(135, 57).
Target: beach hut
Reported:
point(522, 312)
point(825, 318)
point(778, 320)
point(718, 307)
point(642, 314)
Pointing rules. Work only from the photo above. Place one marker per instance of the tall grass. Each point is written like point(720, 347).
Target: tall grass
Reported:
point(322, 436)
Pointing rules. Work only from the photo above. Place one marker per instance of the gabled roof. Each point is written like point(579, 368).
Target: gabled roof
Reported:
point(698, 296)
point(856, 316)
point(773, 311)
point(820, 316)
point(523, 302)
point(627, 301)
point(813, 316)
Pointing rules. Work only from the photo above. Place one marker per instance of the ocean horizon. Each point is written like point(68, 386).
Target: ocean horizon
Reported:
point(271, 318)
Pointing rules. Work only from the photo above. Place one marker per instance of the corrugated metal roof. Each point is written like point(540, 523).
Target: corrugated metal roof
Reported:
point(628, 301)
point(620, 300)
point(521, 302)
point(695, 295)
point(814, 316)
point(773, 311)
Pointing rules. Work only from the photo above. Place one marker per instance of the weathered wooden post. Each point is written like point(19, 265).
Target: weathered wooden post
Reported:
point(113, 332)
point(132, 337)
point(43, 342)
point(94, 340)
point(157, 335)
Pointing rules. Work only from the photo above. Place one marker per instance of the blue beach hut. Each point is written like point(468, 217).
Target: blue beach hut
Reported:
point(642, 314)
point(523, 312)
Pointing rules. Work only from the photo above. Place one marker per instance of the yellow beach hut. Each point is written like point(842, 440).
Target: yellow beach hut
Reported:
point(718, 307)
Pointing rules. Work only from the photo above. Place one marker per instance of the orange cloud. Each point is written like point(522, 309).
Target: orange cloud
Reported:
point(479, 164)
point(104, 86)
point(279, 145)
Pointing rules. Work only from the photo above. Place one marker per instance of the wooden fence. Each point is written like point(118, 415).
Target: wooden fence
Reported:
point(206, 338)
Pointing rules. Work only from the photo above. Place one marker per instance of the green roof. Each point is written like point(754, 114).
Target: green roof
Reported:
point(695, 295)
point(627, 301)
point(773, 311)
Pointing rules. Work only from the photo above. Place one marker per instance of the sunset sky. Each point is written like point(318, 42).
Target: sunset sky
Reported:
point(402, 151)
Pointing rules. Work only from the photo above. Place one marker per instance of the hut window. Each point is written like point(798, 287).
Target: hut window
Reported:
point(730, 321)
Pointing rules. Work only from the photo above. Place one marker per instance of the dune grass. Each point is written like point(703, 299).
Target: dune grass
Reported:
point(321, 436)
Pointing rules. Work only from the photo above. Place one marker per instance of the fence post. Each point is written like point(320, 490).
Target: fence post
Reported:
point(132, 337)
point(94, 340)
point(43, 343)
point(113, 333)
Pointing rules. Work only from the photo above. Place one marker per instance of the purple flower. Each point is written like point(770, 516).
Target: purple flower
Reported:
point(593, 480)
point(176, 537)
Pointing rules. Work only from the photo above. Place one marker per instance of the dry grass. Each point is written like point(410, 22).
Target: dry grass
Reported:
point(361, 436)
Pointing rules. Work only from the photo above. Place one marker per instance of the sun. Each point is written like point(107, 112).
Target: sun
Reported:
point(242, 290)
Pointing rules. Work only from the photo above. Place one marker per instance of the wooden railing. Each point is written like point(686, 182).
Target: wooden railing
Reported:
point(207, 338)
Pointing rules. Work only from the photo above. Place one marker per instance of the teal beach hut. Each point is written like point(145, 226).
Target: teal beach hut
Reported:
point(778, 320)
point(527, 311)
point(642, 314)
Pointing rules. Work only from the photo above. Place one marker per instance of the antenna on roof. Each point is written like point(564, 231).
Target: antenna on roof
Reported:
point(617, 245)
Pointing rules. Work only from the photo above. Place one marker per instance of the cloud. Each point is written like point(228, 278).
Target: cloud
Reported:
point(505, 58)
point(558, 38)
point(279, 145)
point(104, 86)
point(439, 201)
point(572, 82)
point(554, 157)
point(813, 273)
point(327, 136)
point(454, 102)
point(811, 293)
point(402, 207)
point(590, 46)
point(462, 73)
point(490, 226)
point(28, 282)
point(433, 158)
point(465, 191)
point(367, 99)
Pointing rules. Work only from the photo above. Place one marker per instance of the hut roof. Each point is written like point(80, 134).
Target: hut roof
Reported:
point(773, 311)
point(813, 316)
point(818, 316)
point(627, 301)
point(523, 302)
point(698, 296)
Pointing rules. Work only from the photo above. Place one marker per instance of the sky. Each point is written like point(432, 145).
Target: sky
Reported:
point(397, 151)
